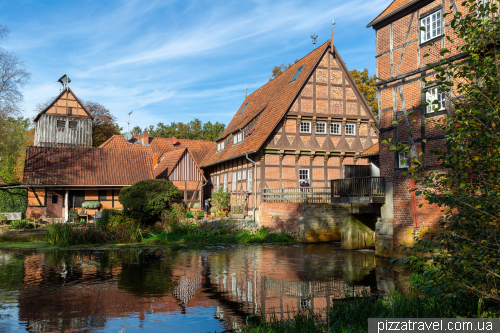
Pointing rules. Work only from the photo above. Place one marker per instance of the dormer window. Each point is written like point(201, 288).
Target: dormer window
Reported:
point(243, 109)
point(238, 138)
point(297, 74)
point(220, 146)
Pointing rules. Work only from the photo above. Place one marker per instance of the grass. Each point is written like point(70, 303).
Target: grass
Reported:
point(193, 234)
point(65, 234)
point(351, 314)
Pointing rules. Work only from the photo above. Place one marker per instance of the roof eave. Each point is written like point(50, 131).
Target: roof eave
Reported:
point(374, 22)
point(230, 158)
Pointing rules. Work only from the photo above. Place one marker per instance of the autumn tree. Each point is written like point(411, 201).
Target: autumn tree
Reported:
point(368, 87)
point(13, 128)
point(104, 123)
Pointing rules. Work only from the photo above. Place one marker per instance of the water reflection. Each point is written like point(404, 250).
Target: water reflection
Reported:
point(178, 288)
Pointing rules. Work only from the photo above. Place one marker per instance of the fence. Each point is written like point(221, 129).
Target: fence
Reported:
point(358, 187)
point(365, 187)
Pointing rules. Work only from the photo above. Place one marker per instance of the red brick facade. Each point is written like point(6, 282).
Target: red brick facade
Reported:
point(401, 65)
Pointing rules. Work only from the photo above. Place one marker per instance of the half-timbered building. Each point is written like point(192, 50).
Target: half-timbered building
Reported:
point(301, 128)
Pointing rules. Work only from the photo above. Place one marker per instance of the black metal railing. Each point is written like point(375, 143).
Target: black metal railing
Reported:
point(297, 194)
point(358, 187)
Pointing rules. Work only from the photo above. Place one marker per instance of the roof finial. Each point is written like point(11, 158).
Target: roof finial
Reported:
point(314, 37)
point(333, 30)
point(64, 80)
point(246, 89)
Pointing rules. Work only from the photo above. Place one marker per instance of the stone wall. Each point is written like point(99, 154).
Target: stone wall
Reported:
point(313, 223)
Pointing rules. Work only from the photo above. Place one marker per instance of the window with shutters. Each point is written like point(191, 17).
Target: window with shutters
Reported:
point(61, 124)
point(432, 25)
point(249, 181)
point(73, 124)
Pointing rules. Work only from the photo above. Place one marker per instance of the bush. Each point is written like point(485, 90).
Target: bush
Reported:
point(220, 199)
point(103, 222)
point(175, 215)
point(13, 200)
point(22, 224)
point(73, 215)
point(145, 200)
point(123, 229)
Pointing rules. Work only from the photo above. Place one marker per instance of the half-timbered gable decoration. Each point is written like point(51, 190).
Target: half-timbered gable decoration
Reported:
point(65, 122)
point(180, 168)
point(313, 114)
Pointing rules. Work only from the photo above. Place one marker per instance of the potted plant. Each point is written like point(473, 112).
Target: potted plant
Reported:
point(213, 211)
point(91, 205)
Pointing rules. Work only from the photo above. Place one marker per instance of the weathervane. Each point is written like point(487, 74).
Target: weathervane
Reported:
point(314, 37)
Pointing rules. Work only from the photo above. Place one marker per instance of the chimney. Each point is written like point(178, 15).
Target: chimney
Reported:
point(145, 138)
point(333, 30)
point(155, 158)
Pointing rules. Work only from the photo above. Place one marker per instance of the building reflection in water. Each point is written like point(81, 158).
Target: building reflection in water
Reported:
point(71, 290)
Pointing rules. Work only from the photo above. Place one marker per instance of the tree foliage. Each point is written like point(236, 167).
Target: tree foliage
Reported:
point(13, 200)
point(193, 130)
point(145, 200)
point(367, 85)
point(465, 252)
point(278, 70)
point(15, 134)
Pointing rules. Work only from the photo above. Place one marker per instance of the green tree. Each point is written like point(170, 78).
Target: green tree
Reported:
point(193, 130)
point(465, 252)
point(367, 85)
point(278, 70)
point(14, 135)
point(145, 200)
point(136, 131)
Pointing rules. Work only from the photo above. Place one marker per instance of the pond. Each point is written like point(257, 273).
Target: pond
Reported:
point(179, 288)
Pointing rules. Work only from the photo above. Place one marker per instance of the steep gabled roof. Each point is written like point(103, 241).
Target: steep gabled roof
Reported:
point(86, 166)
point(395, 7)
point(271, 101)
point(67, 89)
point(197, 148)
point(167, 163)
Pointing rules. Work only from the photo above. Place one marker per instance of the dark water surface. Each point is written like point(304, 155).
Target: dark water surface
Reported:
point(178, 288)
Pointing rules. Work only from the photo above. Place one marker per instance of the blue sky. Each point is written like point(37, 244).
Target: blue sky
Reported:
point(176, 60)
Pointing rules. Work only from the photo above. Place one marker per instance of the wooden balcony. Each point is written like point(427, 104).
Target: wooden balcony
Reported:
point(351, 190)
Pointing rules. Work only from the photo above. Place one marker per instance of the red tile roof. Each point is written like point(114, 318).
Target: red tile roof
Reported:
point(271, 101)
point(198, 148)
point(373, 150)
point(86, 166)
point(167, 163)
point(393, 8)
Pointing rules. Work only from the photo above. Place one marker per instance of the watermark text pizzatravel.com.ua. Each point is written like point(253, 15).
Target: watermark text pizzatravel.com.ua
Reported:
point(376, 325)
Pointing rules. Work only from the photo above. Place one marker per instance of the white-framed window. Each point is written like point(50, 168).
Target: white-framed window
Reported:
point(239, 175)
point(220, 146)
point(350, 129)
point(320, 128)
point(303, 175)
point(404, 161)
point(238, 138)
point(225, 182)
point(336, 128)
point(305, 127)
point(432, 25)
point(244, 175)
point(234, 181)
point(249, 180)
point(432, 95)
point(218, 183)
